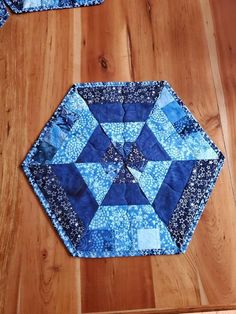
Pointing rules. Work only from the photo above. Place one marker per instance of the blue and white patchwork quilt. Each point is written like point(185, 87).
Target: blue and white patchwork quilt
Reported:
point(22, 6)
point(123, 169)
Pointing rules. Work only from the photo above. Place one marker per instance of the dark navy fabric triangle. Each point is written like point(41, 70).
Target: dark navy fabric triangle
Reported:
point(112, 155)
point(172, 188)
point(125, 194)
point(124, 176)
point(136, 159)
point(77, 191)
point(96, 147)
point(150, 147)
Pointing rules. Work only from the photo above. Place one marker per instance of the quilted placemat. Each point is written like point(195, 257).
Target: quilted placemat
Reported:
point(123, 169)
point(22, 6)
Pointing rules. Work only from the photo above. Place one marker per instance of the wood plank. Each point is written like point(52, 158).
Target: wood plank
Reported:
point(41, 55)
point(224, 16)
point(179, 54)
point(219, 312)
point(116, 284)
point(183, 57)
point(181, 311)
point(112, 284)
point(35, 270)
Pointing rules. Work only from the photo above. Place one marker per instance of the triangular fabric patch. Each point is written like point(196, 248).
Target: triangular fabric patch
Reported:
point(124, 194)
point(150, 146)
point(137, 174)
point(136, 159)
point(112, 155)
point(97, 179)
point(111, 168)
point(150, 180)
point(122, 132)
point(125, 176)
point(96, 147)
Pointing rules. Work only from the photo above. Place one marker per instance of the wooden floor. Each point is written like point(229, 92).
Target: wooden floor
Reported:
point(190, 43)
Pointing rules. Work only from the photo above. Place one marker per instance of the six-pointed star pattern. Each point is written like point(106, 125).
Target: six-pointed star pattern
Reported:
point(123, 169)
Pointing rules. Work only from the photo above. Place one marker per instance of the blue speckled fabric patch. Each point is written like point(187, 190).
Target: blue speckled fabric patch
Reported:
point(21, 6)
point(123, 169)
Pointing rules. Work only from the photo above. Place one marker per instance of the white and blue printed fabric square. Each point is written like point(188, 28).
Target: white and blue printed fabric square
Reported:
point(123, 169)
point(22, 6)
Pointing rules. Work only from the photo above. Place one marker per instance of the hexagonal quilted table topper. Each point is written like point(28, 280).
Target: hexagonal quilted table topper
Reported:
point(123, 169)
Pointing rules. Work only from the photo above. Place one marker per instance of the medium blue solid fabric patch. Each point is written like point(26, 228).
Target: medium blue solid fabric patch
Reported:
point(125, 194)
point(96, 147)
point(172, 188)
point(123, 169)
point(121, 112)
point(174, 112)
point(22, 6)
point(149, 145)
point(78, 194)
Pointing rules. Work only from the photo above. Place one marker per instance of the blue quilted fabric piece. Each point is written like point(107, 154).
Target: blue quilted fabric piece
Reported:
point(3, 13)
point(22, 6)
point(123, 169)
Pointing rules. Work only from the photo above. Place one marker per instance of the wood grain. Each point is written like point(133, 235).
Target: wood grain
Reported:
point(35, 268)
point(189, 43)
point(224, 14)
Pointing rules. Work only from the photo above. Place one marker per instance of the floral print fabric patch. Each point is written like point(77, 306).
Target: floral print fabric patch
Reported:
point(123, 169)
point(21, 6)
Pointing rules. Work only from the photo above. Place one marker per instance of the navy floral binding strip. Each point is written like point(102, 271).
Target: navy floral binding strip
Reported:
point(123, 169)
point(3, 13)
point(21, 6)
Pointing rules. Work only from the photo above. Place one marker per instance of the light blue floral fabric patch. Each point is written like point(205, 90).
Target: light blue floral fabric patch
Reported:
point(123, 169)
point(21, 6)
